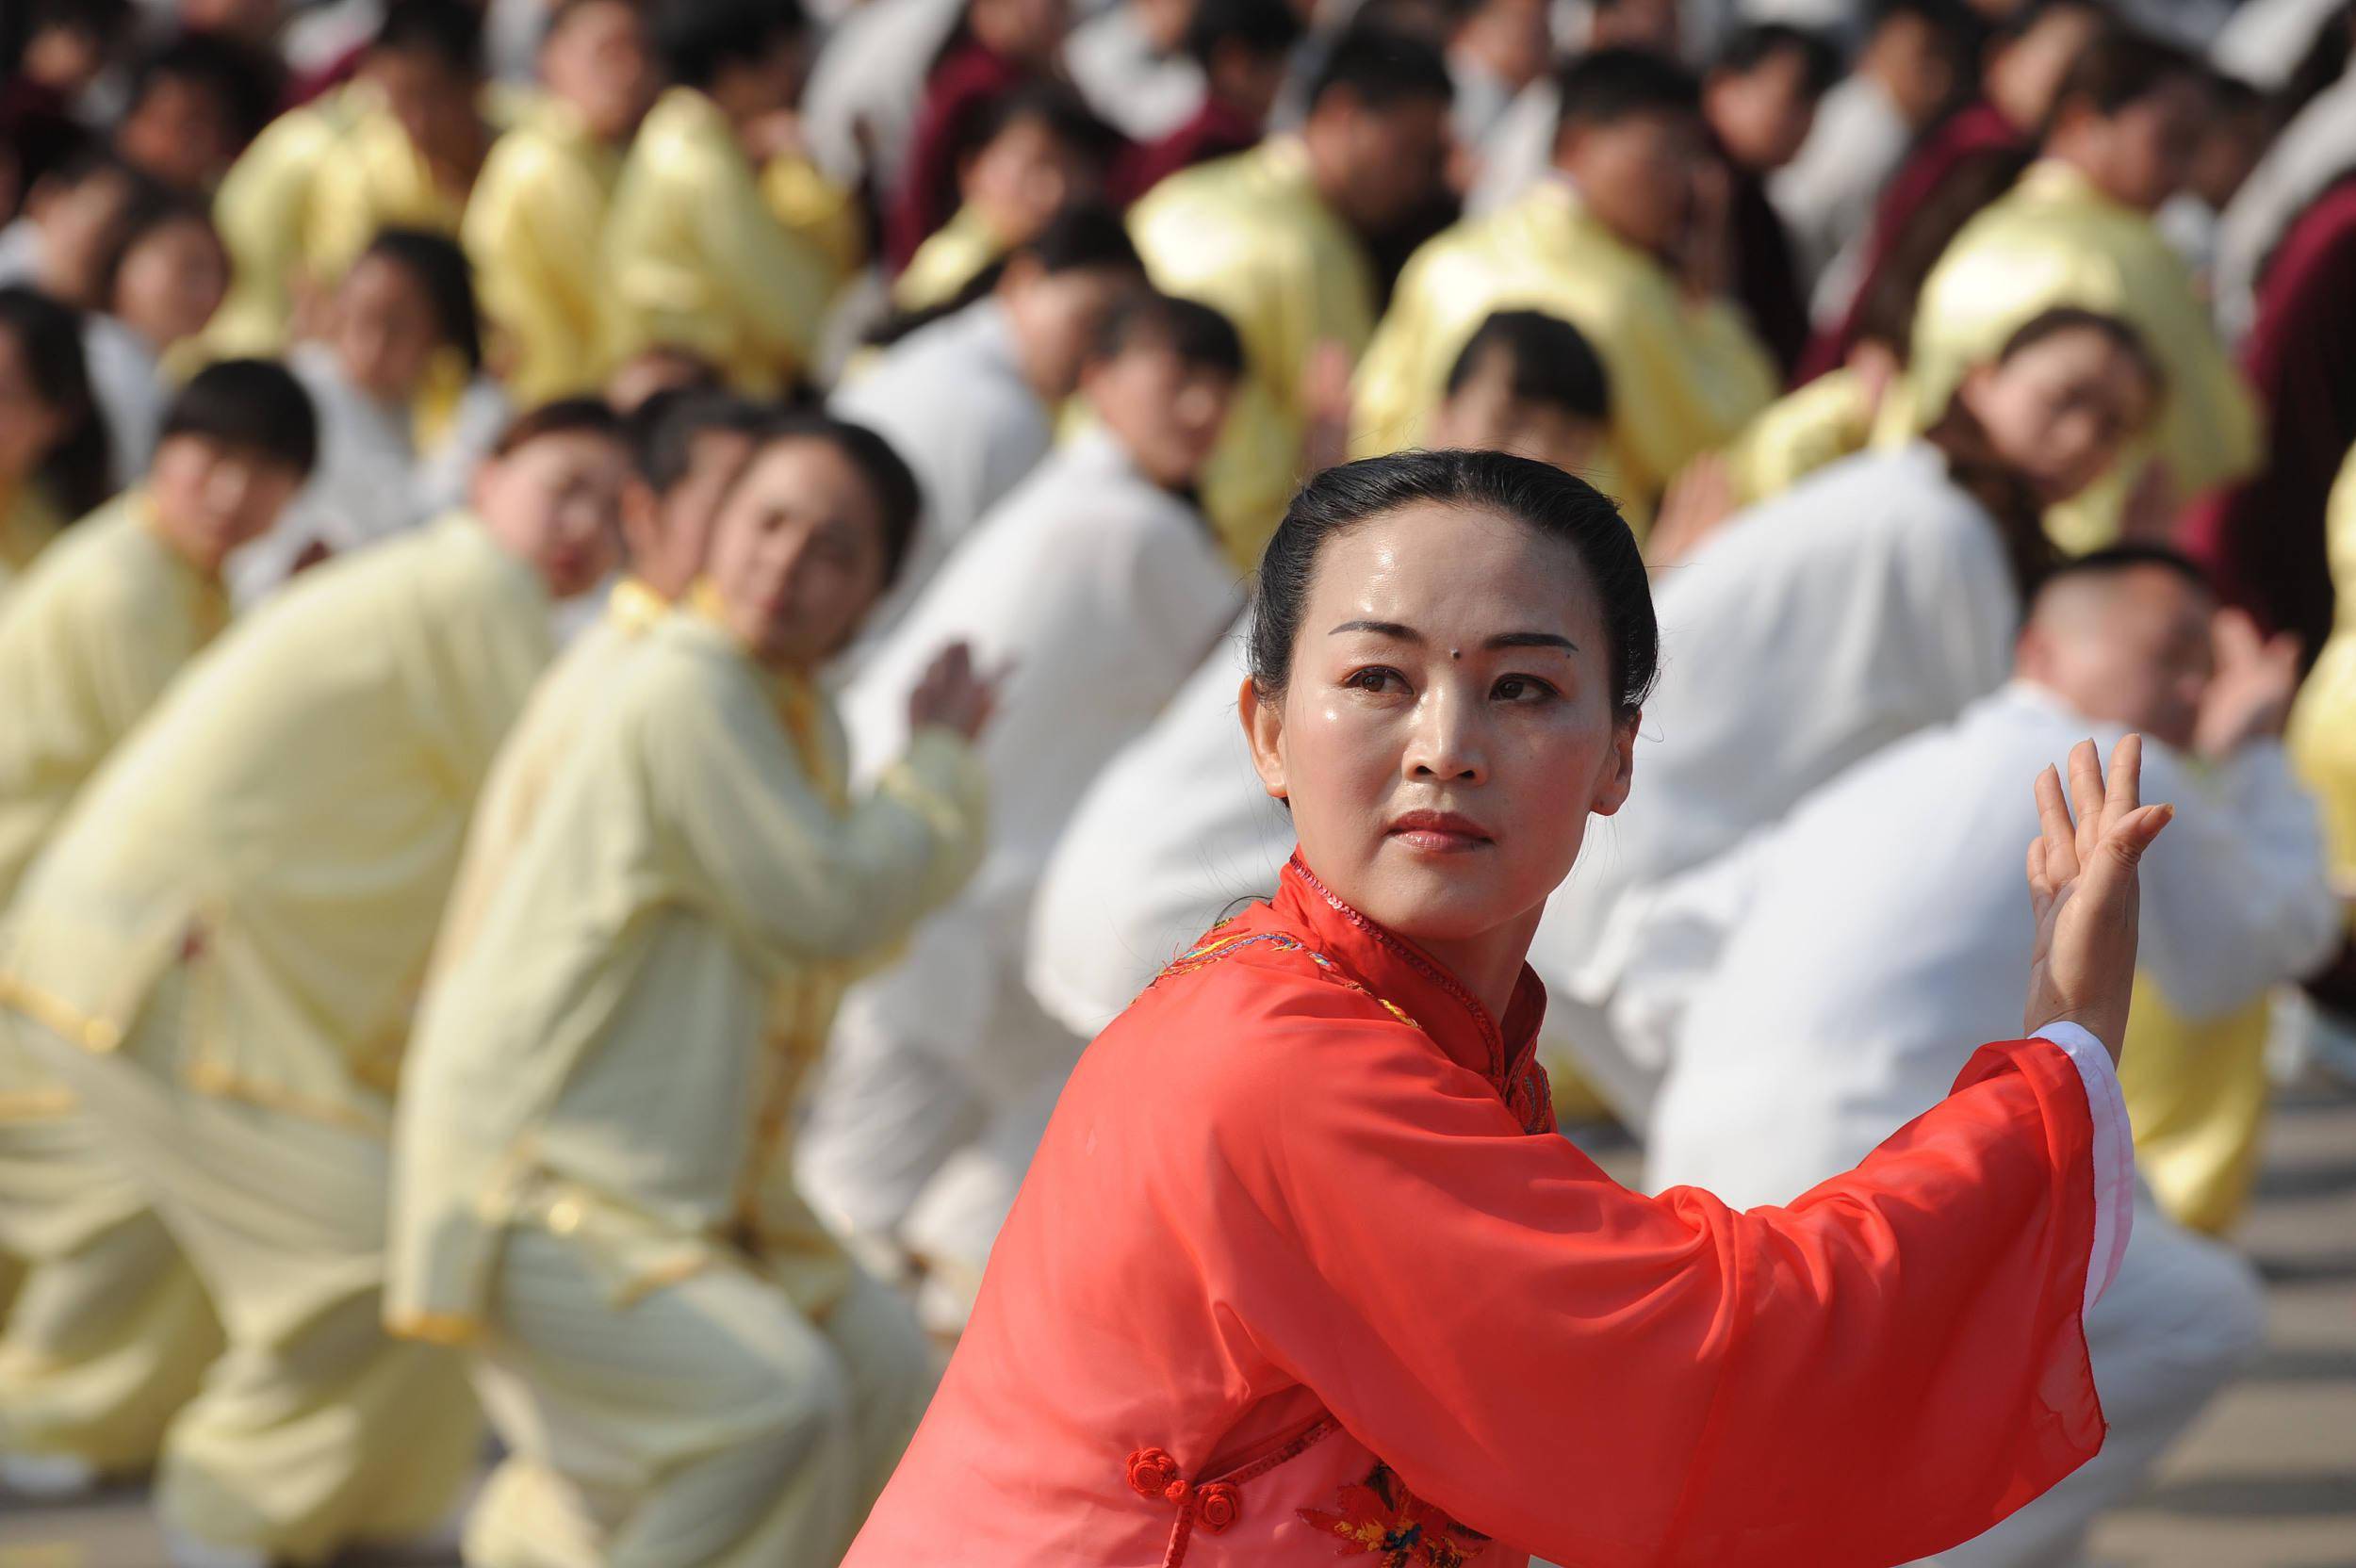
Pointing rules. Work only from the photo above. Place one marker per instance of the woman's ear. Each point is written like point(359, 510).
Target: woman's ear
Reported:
point(1619, 769)
point(1263, 733)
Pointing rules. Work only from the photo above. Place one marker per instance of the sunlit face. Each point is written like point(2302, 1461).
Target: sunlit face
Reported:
point(171, 280)
point(1055, 316)
point(2024, 77)
point(29, 423)
point(668, 548)
point(797, 555)
point(77, 223)
point(1763, 115)
point(1448, 723)
point(2060, 410)
point(555, 502)
point(1483, 414)
point(2138, 651)
point(1022, 177)
point(598, 61)
point(210, 498)
point(1636, 175)
point(1166, 411)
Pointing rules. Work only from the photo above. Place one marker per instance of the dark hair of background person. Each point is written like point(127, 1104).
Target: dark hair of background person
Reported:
point(1546, 361)
point(444, 273)
point(1539, 496)
point(2120, 68)
point(152, 206)
point(1974, 465)
point(563, 416)
point(253, 405)
point(75, 473)
point(451, 31)
point(1610, 85)
point(1086, 234)
point(1382, 68)
point(898, 498)
point(1197, 333)
point(247, 83)
point(1752, 45)
point(697, 39)
point(1264, 28)
point(1054, 106)
point(663, 429)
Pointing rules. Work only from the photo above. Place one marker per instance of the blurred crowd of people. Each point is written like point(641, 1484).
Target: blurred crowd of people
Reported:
point(618, 635)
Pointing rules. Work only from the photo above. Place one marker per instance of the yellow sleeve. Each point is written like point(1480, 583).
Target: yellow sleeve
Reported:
point(754, 837)
point(1685, 378)
point(531, 229)
point(816, 211)
point(263, 211)
point(776, 285)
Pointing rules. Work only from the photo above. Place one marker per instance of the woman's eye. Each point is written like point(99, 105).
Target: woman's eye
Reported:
point(1376, 678)
point(1522, 688)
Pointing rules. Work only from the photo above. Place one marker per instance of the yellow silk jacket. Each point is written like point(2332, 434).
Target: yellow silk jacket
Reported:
point(532, 229)
point(694, 256)
point(1686, 376)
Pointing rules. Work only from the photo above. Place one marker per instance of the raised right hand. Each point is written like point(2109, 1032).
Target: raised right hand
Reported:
point(2083, 886)
point(953, 693)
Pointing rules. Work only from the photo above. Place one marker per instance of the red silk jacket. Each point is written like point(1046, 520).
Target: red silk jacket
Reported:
point(1302, 1274)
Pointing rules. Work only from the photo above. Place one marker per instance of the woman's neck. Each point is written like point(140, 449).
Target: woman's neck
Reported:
point(1489, 965)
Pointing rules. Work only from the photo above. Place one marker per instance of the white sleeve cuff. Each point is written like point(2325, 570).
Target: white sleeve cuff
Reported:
point(2114, 1154)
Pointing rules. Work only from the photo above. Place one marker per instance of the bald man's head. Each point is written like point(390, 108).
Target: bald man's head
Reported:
point(2123, 637)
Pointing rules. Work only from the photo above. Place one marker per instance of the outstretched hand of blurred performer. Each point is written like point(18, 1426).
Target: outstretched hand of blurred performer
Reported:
point(2082, 883)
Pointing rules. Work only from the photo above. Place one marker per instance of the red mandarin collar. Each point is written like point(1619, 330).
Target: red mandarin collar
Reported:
point(1414, 982)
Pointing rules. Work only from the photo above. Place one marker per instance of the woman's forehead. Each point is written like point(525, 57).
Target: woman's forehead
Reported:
point(1436, 565)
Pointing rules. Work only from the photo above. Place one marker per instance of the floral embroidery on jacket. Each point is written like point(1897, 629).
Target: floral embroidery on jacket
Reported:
point(1380, 1517)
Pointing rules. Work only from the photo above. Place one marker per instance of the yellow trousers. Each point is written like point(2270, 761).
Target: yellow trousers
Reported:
point(707, 1423)
point(108, 1332)
point(313, 1430)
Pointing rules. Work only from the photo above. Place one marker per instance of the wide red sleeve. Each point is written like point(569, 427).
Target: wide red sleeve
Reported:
point(1884, 1368)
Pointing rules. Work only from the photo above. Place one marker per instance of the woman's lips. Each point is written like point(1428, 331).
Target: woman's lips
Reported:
point(1439, 833)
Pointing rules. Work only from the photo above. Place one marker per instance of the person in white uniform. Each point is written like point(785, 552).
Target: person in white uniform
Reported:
point(1793, 1057)
point(1098, 586)
point(969, 399)
point(1877, 596)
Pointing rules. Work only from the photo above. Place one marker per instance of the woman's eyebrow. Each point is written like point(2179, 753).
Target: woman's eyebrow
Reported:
point(1381, 628)
point(1531, 640)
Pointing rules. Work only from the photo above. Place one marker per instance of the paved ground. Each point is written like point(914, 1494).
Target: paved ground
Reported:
point(2266, 1479)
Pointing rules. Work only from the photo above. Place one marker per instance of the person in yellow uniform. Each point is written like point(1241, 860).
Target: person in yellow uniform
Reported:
point(219, 952)
point(694, 255)
point(2322, 735)
point(537, 215)
point(55, 456)
point(2077, 229)
point(592, 1187)
point(689, 449)
point(111, 1332)
point(400, 147)
point(1275, 240)
point(1624, 245)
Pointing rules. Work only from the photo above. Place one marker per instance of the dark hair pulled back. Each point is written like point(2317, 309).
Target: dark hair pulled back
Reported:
point(1541, 498)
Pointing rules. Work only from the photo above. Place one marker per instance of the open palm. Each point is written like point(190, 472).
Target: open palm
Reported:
point(2083, 886)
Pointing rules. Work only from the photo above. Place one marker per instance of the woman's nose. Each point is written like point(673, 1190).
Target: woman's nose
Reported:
point(1445, 743)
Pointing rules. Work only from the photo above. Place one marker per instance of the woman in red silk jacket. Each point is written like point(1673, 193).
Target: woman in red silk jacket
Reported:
point(1300, 1272)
